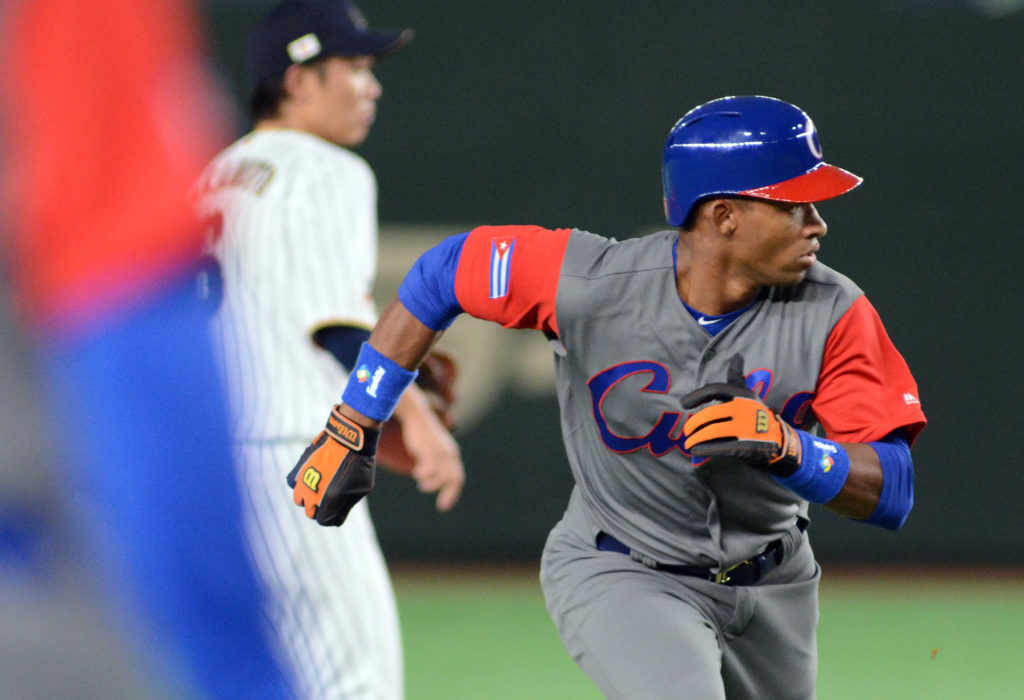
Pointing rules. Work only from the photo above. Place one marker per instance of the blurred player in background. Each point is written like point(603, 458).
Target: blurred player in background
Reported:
point(105, 125)
point(713, 380)
point(291, 215)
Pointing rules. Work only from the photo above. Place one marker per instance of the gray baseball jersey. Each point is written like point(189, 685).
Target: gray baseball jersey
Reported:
point(294, 233)
point(632, 353)
point(626, 352)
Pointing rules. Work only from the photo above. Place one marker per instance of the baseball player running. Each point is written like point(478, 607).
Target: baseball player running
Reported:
point(292, 215)
point(713, 380)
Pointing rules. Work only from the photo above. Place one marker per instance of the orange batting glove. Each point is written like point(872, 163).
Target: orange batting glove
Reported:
point(741, 426)
point(335, 471)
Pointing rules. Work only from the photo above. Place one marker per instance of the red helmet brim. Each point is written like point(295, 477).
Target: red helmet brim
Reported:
point(823, 182)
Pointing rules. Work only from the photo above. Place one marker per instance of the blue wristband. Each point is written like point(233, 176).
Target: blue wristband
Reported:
point(897, 496)
point(376, 385)
point(824, 468)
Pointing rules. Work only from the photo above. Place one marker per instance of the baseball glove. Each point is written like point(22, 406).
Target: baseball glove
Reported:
point(438, 374)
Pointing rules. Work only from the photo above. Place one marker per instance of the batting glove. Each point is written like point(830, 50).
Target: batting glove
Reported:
point(336, 471)
point(740, 426)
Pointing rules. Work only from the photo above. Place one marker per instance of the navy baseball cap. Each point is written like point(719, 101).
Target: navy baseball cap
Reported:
point(297, 31)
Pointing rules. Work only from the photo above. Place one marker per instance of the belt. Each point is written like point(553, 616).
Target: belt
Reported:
point(746, 573)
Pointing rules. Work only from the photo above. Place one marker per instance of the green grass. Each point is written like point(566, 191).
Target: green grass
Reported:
point(911, 636)
point(471, 634)
point(484, 633)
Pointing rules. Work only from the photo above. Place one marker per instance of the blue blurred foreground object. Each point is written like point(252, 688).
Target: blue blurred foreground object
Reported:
point(135, 481)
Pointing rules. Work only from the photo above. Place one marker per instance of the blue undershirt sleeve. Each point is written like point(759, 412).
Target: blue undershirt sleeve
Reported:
point(343, 342)
point(897, 497)
point(428, 291)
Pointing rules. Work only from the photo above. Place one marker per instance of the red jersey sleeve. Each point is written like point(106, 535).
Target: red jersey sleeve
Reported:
point(865, 389)
point(509, 274)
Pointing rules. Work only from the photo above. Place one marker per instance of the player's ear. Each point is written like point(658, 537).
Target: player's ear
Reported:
point(723, 214)
point(296, 82)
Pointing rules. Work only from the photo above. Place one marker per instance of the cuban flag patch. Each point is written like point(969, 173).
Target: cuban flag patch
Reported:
point(501, 260)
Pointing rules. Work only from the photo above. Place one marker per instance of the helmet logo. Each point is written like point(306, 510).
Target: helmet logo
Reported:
point(811, 134)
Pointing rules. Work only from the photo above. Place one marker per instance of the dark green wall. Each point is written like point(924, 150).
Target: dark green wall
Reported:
point(555, 113)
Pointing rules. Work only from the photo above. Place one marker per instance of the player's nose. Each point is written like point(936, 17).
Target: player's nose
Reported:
point(814, 225)
point(374, 88)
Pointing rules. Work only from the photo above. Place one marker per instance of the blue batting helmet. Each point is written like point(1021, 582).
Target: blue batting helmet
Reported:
point(750, 146)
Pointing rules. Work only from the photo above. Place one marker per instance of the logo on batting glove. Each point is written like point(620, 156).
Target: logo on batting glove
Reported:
point(311, 478)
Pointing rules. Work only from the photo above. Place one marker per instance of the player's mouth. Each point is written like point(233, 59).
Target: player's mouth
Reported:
point(810, 257)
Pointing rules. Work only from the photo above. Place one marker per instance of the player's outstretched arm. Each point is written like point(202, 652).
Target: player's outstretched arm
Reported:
point(401, 338)
point(871, 482)
point(427, 302)
point(337, 470)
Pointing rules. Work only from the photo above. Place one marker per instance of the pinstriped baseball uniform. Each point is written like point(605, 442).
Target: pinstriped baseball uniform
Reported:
point(626, 353)
point(294, 230)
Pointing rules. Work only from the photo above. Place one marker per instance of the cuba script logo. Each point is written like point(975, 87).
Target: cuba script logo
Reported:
point(666, 433)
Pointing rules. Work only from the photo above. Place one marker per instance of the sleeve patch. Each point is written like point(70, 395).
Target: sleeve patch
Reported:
point(501, 260)
point(509, 274)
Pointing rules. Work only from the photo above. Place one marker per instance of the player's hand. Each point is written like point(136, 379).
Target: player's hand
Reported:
point(417, 440)
point(437, 462)
point(740, 425)
point(335, 471)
